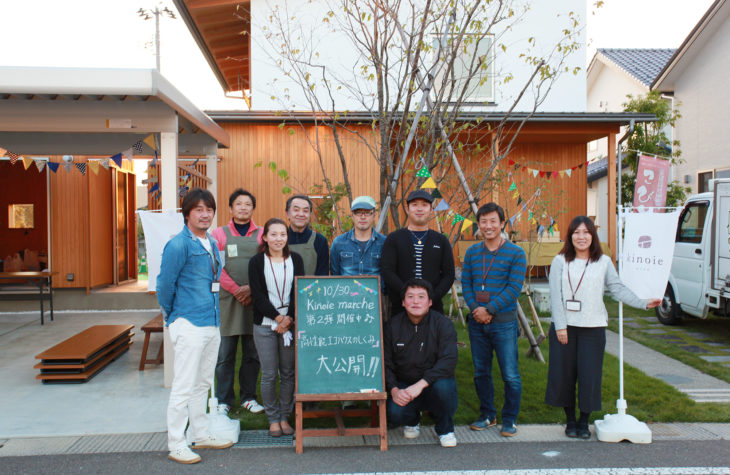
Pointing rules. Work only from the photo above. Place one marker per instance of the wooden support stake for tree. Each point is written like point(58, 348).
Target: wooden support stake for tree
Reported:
point(534, 346)
point(535, 318)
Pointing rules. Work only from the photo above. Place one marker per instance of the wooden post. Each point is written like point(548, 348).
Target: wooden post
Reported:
point(611, 222)
point(534, 346)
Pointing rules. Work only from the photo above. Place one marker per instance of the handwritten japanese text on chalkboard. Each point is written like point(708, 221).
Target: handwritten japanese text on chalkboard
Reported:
point(338, 335)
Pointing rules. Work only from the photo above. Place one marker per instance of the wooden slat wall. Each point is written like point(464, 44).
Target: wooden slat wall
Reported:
point(70, 229)
point(292, 152)
point(154, 200)
point(100, 227)
point(69, 214)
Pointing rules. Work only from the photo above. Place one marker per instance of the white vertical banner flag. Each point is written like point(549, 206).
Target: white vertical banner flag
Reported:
point(158, 229)
point(648, 250)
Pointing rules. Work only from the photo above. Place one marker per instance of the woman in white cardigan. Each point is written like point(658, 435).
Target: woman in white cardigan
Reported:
point(578, 276)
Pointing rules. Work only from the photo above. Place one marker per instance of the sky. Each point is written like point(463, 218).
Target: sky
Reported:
point(110, 34)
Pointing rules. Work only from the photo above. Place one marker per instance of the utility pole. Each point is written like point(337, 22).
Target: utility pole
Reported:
point(147, 14)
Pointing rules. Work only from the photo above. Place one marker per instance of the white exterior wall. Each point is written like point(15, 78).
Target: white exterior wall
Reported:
point(544, 21)
point(705, 98)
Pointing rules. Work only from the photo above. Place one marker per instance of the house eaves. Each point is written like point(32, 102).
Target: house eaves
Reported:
point(700, 34)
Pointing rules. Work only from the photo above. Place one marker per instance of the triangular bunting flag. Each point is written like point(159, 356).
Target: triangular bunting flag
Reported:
point(549, 175)
point(457, 218)
point(580, 166)
point(512, 221)
point(128, 154)
point(519, 200)
point(542, 174)
point(153, 163)
point(13, 157)
point(515, 194)
point(541, 230)
point(429, 183)
point(524, 168)
point(474, 228)
point(467, 225)
point(53, 166)
point(442, 206)
point(512, 187)
point(117, 159)
point(530, 218)
point(555, 227)
point(423, 172)
point(436, 194)
point(568, 172)
point(94, 165)
point(137, 146)
point(40, 165)
point(150, 141)
point(154, 188)
point(81, 167)
point(550, 231)
point(534, 173)
point(2, 152)
point(27, 162)
point(104, 163)
point(67, 166)
point(510, 162)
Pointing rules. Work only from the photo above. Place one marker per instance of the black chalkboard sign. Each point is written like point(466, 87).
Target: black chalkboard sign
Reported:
point(338, 335)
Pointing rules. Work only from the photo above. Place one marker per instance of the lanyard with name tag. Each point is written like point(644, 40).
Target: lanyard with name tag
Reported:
point(572, 304)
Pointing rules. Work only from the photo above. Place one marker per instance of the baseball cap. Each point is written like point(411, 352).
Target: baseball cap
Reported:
point(419, 195)
point(362, 202)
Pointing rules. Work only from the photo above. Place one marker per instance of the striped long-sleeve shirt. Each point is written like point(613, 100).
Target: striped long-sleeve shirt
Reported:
point(503, 282)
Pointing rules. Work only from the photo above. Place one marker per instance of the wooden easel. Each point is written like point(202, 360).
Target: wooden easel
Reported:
point(376, 412)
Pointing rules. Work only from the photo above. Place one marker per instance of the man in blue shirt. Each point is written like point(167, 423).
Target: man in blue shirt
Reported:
point(357, 252)
point(491, 279)
point(187, 291)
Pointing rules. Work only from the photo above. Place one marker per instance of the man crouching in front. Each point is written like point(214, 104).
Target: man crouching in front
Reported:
point(187, 290)
point(420, 359)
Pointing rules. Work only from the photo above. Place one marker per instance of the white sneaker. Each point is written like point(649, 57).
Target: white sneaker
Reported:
point(184, 455)
point(223, 409)
point(212, 442)
point(412, 432)
point(448, 440)
point(253, 406)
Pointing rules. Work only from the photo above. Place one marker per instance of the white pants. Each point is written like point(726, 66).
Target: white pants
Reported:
point(196, 352)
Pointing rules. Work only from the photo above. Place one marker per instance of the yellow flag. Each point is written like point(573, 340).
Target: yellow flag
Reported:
point(94, 165)
point(466, 225)
point(2, 152)
point(561, 173)
point(27, 162)
point(150, 140)
point(555, 227)
point(429, 184)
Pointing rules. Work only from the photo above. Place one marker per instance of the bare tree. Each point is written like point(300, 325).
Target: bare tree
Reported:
point(421, 73)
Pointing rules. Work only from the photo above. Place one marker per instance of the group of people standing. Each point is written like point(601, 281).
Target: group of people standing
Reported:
point(244, 293)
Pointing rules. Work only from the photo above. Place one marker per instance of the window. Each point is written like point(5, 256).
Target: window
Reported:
point(692, 222)
point(473, 69)
point(703, 181)
point(20, 216)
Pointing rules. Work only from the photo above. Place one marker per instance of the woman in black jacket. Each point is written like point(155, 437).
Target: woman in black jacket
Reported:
point(271, 277)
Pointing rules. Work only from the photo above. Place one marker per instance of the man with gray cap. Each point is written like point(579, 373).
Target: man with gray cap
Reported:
point(417, 252)
point(357, 252)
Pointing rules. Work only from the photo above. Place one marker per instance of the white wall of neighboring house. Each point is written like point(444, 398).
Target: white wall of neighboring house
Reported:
point(705, 99)
point(544, 21)
point(606, 92)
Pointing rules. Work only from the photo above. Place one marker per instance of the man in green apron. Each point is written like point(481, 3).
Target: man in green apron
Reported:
point(309, 244)
point(239, 240)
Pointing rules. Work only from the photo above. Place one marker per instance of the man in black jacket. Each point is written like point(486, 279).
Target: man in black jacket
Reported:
point(416, 251)
point(420, 360)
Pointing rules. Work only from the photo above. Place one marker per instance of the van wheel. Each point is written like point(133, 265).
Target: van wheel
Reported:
point(668, 312)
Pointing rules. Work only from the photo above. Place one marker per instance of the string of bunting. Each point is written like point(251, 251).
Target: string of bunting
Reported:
point(82, 167)
point(468, 224)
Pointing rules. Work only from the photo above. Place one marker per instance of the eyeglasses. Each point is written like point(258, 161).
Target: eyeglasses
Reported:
point(363, 212)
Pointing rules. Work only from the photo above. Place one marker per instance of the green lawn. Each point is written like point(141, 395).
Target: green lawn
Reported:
point(648, 399)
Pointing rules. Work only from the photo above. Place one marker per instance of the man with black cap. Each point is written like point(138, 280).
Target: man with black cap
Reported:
point(417, 252)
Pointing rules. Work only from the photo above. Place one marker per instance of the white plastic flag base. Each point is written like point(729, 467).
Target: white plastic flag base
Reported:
point(622, 426)
point(219, 425)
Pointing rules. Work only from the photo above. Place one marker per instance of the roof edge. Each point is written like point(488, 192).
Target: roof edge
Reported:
point(198, 37)
point(687, 43)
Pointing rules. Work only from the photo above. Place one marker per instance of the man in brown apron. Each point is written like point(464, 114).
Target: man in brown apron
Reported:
point(239, 240)
point(309, 244)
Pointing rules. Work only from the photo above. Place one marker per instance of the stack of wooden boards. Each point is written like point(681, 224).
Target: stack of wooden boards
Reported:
point(81, 357)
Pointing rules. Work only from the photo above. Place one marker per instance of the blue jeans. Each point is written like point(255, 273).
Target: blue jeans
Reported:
point(439, 399)
point(500, 338)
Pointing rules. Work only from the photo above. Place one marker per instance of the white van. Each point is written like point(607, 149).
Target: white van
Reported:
point(700, 276)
